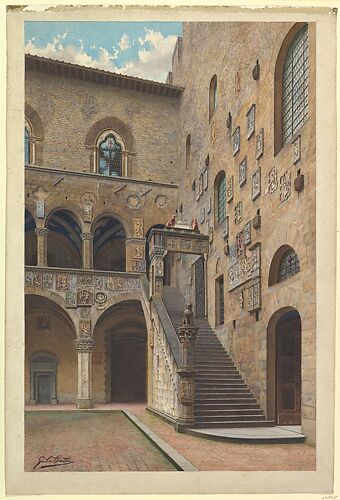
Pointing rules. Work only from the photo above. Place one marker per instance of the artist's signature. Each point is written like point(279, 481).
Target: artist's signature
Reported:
point(52, 461)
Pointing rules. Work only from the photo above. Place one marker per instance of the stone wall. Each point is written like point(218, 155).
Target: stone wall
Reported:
point(69, 108)
point(287, 216)
point(57, 339)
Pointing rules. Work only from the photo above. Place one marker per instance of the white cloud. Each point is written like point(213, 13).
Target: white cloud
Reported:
point(124, 43)
point(153, 61)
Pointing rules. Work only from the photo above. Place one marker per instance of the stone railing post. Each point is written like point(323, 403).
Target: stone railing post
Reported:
point(186, 334)
point(87, 250)
point(41, 233)
point(84, 347)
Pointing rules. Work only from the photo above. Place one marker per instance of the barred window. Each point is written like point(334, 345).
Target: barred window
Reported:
point(295, 86)
point(289, 265)
point(110, 156)
point(221, 200)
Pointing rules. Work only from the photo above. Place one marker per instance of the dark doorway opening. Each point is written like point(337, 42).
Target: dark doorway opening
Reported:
point(128, 370)
point(288, 369)
point(43, 382)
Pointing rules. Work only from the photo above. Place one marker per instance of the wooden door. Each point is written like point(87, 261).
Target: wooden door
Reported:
point(288, 370)
point(199, 288)
point(44, 388)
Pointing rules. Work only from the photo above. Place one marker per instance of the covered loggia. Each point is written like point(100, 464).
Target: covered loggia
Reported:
point(121, 335)
point(50, 355)
point(30, 240)
point(109, 244)
point(64, 244)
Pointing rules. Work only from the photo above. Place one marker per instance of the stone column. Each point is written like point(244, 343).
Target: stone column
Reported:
point(87, 250)
point(84, 347)
point(186, 418)
point(41, 233)
point(135, 255)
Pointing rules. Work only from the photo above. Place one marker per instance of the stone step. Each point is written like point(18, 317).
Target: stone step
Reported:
point(227, 405)
point(234, 392)
point(241, 412)
point(200, 419)
point(217, 379)
point(241, 423)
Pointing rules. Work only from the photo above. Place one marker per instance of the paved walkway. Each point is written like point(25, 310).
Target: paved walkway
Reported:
point(209, 455)
point(204, 454)
point(88, 441)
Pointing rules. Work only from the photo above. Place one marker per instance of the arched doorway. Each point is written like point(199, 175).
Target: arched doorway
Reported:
point(121, 333)
point(284, 367)
point(109, 253)
point(64, 245)
point(50, 354)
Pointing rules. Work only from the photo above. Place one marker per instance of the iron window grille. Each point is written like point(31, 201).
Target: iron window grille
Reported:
point(295, 86)
point(289, 265)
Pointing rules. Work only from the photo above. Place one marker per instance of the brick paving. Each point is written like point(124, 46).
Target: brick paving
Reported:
point(115, 444)
point(224, 456)
point(94, 441)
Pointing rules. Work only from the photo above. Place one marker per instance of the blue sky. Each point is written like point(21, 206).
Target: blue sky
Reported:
point(142, 49)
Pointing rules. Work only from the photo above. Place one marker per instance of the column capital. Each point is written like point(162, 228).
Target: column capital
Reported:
point(85, 344)
point(42, 231)
point(87, 236)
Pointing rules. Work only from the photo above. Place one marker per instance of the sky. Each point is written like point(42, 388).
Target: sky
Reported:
point(142, 49)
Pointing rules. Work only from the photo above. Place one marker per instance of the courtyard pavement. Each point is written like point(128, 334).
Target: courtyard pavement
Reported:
point(88, 441)
point(97, 441)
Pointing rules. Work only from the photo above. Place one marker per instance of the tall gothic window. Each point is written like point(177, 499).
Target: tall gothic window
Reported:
point(212, 96)
point(221, 199)
point(295, 86)
point(110, 148)
point(289, 265)
point(28, 145)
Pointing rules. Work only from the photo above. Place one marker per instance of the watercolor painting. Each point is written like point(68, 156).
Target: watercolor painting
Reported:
point(170, 245)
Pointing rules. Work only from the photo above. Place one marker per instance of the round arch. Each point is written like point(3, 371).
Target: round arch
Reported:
point(71, 208)
point(36, 136)
point(64, 243)
point(56, 302)
point(284, 366)
point(51, 359)
point(113, 215)
point(273, 276)
point(121, 334)
point(110, 123)
point(109, 249)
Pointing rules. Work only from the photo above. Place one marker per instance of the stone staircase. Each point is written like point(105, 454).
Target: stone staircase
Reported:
point(222, 398)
